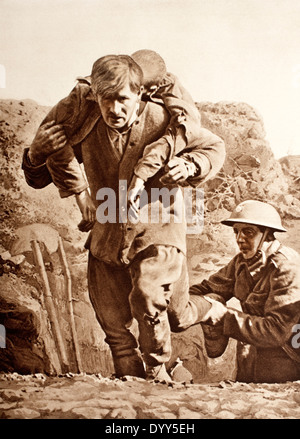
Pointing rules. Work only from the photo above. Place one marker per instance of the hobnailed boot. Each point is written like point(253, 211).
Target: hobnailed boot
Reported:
point(129, 365)
point(214, 339)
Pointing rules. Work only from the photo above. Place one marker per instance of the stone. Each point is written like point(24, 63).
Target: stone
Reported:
point(210, 407)
point(11, 395)
point(296, 397)
point(21, 413)
point(267, 414)
point(185, 413)
point(226, 414)
point(39, 232)
point(122, 413)
point(90, 412)
point(237, 406)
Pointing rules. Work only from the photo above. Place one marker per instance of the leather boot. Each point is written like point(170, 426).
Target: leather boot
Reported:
point(129, 365)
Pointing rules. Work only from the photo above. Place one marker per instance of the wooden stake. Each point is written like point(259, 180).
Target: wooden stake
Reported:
point(68, 286)
point(50, 306)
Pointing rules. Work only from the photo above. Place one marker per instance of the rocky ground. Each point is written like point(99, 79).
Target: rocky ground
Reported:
point(93, 397)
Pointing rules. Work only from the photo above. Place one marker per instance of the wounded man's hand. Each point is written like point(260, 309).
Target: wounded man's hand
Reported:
point(176, 171)
point(49, 138)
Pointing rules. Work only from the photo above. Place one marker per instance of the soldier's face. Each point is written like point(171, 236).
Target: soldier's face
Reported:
point(248, 238)
point(119, 108)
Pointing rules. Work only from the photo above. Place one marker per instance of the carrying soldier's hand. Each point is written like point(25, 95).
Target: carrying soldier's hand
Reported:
point(49, 138)
point(87, 209)
point(134, 191)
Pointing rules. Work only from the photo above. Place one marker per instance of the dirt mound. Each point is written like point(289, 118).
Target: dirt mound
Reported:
point(291, 169)
point(250, 170)
point(31, 347)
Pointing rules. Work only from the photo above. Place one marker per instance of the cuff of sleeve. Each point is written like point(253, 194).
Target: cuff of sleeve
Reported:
point(203, 164)
point(27, 161)
point(64, 193)
point(37, 177)
point(145, 172)
point(231, 322)
point(203, 168)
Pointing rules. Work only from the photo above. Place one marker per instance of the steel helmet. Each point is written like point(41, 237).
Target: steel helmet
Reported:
point(256, 213)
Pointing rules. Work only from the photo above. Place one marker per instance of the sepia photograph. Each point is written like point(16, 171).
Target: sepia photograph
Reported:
point(150, 212)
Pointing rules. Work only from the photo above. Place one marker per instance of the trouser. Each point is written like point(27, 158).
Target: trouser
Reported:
point(265, 365)
point(154, 290)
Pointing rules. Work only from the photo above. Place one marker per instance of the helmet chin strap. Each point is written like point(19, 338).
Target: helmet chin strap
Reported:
point(262, 240)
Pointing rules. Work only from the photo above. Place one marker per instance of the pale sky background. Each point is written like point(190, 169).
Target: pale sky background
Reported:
point(221, 50)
